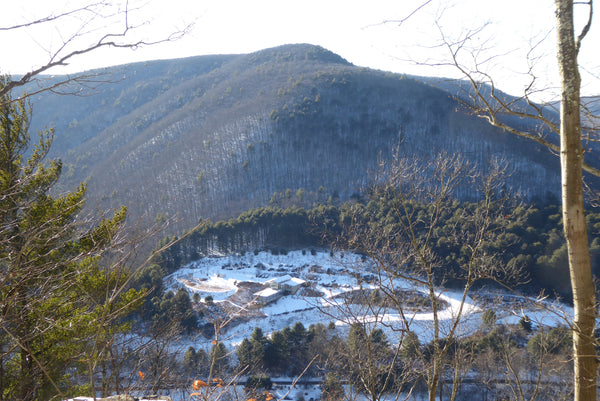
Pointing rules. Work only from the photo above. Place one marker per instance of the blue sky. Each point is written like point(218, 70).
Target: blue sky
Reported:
point(356, 30)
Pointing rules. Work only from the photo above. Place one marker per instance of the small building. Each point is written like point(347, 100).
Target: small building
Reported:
point(286, 283)
point(267, 296)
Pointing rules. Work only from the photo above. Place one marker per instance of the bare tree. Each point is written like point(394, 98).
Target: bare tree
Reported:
point(370, 358)
point(483, 98)
point(84, 28)
point(411, 210)
point(513, 363)
point(571, 156)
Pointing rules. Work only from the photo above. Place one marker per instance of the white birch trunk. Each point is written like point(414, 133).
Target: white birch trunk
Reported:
point(571, 157)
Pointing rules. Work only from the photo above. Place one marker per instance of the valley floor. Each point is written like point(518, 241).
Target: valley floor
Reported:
point(329, 280)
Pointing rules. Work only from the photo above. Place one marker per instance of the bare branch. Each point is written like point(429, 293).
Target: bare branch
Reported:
point(587, 26)
point(54, 17)
point(70, 50)
point(402, 20)
point(485, 101)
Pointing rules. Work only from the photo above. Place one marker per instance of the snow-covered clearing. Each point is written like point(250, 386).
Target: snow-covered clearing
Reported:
point(330, 277)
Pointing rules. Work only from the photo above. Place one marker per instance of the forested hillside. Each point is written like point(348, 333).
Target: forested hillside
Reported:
point(532, 240)
point(211, 136)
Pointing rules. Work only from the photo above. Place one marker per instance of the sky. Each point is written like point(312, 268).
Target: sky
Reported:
point(507, 38)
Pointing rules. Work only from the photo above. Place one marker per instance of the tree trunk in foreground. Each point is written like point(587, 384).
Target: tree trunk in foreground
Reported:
point(571, 157)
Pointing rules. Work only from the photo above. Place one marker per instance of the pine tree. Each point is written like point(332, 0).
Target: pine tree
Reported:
point(244, 354)
point(43, 254)
point(277, 352)
point(219, 359)
point(331, 389)
point(190, 362)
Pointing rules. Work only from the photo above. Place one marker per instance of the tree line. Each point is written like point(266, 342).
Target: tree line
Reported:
point(531, 242)
point(376, 366)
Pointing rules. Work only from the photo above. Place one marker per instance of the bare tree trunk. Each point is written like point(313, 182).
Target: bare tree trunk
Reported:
point(571, 157)
point(1, 376)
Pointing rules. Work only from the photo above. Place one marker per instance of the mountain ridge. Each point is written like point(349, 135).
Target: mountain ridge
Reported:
point(211, 136)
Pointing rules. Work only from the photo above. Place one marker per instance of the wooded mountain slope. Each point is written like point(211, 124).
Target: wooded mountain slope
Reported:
point(211, 136)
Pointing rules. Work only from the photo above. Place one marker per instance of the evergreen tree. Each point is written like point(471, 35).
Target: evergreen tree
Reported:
point(173, 308)
point(219, 359)
point(277, 352)
point(189, 360)
point(297, 340)
point(195, 362)
point(252, 353)
point(183, 310)
point(488, 318)
point(370, 361)
point(410, 346)
point(43, 256)
point(244, 354)
point(258, 336)
point(331, 389)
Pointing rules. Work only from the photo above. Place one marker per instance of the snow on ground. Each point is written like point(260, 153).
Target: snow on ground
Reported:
point(550, 314)
point(220, 277)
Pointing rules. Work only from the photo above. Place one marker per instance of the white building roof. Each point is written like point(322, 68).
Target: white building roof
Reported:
point(267, 292)
point(280, 279)
point(286, 280)
point(297, 281)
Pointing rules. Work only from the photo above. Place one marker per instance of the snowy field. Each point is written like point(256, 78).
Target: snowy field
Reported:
point(332, 277)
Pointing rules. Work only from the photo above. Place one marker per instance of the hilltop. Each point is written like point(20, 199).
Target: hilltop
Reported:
point(212, 136)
